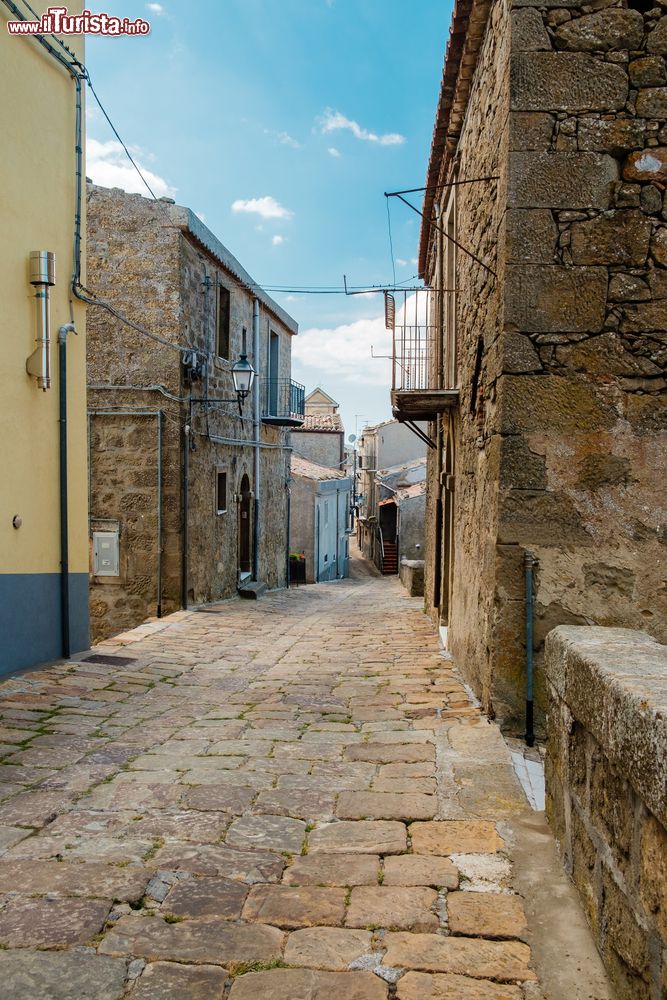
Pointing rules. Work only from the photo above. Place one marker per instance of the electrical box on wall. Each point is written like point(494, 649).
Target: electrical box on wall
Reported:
point(106, 553)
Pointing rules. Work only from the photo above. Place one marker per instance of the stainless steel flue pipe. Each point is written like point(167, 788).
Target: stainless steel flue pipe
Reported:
point(42, 277)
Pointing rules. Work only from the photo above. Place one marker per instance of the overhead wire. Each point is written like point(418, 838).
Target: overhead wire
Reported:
point(77, 68)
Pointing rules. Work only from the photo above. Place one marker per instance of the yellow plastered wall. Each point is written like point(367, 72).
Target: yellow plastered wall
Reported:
point(37, 191)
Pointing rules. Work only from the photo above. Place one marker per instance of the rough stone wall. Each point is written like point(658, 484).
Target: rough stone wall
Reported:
point(302, 522)
point(123, 452)
point(126, 236)
point(411, 511)
point(607, 793)
point(482, 152)
point(214, 538)
point(141, 262)
point(581, 397)
point(321, 447)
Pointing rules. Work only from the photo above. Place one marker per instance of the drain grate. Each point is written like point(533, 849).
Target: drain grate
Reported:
point(112, 661)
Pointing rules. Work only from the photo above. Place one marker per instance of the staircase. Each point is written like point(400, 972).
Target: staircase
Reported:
point(390, 559)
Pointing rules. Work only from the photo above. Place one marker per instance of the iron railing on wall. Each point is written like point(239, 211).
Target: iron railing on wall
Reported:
point(283, 399)
point(415, 356)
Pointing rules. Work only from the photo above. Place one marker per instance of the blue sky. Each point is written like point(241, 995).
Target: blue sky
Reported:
point(282, 124)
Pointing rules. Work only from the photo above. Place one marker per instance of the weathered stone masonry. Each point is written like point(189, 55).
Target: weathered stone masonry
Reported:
point(562, 450)
point(158, 265)
point(607, 793)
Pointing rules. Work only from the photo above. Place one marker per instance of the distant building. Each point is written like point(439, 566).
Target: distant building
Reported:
point(319, 401)
point(401, 504)
point(43, 515)
point(321, 501)
point(382, 446)
point(188, 495)
point(321, 436)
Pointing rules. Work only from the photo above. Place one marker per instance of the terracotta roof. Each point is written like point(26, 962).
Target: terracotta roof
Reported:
point(309, 470)
point(410, 492)
point(321, 422)
point(465, 38)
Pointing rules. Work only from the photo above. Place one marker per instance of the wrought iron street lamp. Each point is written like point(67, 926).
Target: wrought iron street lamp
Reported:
point(243, 374)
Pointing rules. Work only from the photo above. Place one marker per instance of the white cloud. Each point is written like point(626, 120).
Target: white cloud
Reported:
point(334, 121)
point(332, 151)
point(277, 240)
point(284, 138)
point(344, 351)
point(266, 207)
point(414, 261)
point(401, 262)
point(108, 166)
point(155, 8)
point(200, 215)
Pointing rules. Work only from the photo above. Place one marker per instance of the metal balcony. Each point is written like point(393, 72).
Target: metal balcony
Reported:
point(283, 402)
point(418, 357)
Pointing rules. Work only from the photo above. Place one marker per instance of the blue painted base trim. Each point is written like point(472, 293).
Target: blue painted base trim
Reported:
point(30, 630)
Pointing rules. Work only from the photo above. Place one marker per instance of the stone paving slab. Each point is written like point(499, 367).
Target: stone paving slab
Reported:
point(289, 801)
point(51, 923)
point(195, 941)
point(506, 961)
point(422, 986)
point(74, 975)
point(334, 869)
point(329, 948)
point(168, 981)
point(302, 984)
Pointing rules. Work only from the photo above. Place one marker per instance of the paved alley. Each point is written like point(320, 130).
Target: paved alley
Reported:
point(282, 800)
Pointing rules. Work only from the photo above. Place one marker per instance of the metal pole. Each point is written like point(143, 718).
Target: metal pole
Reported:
point(256, 425)
point(159, 514)
point(64, 499)
point(186, 500)
point(529, 563)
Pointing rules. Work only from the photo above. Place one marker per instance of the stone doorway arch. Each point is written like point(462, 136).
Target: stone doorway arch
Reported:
point(245, 562)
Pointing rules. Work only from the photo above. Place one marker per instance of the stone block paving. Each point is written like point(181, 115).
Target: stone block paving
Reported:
point(288, 800)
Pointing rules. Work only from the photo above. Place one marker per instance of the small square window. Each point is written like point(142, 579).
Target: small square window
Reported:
point(221, 493)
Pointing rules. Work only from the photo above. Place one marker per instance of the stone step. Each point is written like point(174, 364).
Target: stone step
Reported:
point(252, 590)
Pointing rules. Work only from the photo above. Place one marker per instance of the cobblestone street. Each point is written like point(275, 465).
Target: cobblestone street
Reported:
point(262, 801)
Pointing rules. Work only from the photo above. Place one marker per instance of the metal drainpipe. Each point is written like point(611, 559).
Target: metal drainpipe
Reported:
point(255, 424)
point(184, 529)
point(159, 514)
point(64, 496)
point(288, 480)
point(529, 563)
point(337, 538)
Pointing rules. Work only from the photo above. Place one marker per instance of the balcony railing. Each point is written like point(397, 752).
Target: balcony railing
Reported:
point(420, 357)
point(283, 402)
point(415, 341)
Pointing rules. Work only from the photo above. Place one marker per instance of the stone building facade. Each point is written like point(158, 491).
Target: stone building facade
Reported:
point(192, 494)
point(321, 501)
point(547, 410)
point(382, 448)
point(321, 437)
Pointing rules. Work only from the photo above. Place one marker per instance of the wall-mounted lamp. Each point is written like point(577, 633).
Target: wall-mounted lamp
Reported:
point(42, 277)
point(243, 374)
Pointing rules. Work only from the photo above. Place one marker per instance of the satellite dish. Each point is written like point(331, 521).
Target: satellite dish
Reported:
point(352, 438)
